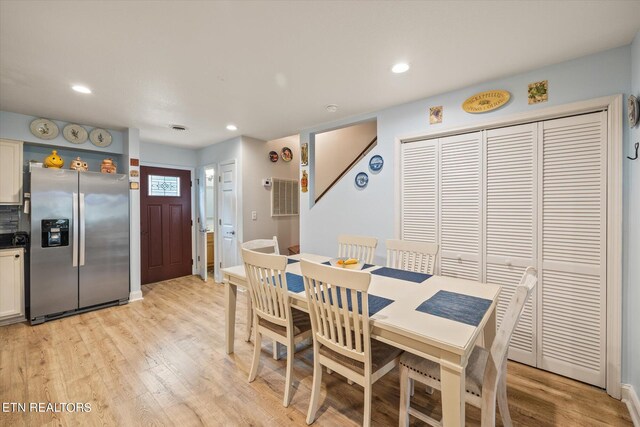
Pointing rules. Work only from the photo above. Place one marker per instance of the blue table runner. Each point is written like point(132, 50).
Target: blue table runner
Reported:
point(292, 261)
point(295, 283)
point(461, 308)
point(395, 273)
point(376, 303)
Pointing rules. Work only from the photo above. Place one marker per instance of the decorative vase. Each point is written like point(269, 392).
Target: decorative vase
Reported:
point(108, 166)
point(79, 165)
point(53, 160)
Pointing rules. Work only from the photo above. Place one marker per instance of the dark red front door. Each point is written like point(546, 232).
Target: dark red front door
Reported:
point(165, 223)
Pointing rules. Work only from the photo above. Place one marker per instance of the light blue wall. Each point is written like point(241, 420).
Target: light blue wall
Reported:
point(631, 248)
point(16, 126)
point(167, 155)
point(345, 209)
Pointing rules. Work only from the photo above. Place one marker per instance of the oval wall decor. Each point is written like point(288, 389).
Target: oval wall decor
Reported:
point(484, 102)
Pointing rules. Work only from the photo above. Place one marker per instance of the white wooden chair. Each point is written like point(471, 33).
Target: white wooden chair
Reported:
point(341, 336)
point(263, 246)
point(486, 373)
point(360, 247)
point(272, 313)
point(419, 257)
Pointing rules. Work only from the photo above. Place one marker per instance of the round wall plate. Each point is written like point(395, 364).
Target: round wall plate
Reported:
point(362, 179)
point(100, 137)
point(376, 163)
point(75, 134)
point(286, 154)
point(273, 156)
point(44, 128)
point(632, 109)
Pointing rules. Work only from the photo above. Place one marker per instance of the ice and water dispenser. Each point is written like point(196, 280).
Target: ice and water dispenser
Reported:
point(55, 232)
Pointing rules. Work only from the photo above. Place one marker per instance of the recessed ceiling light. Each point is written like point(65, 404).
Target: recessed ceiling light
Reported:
point(178, 127)
point(232, 127)
point(81, 89)
point(400, 67)
point(332, 108)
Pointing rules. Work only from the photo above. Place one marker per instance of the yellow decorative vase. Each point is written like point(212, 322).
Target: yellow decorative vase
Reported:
point(53, 160)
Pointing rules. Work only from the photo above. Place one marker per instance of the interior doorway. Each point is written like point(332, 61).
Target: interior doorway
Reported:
point(165, 223)
point(206, 221)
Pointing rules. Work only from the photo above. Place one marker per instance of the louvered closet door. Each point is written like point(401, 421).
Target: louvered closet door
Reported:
point(510, 225)
point(460, 206)
point(419, 191)
point(573, 247)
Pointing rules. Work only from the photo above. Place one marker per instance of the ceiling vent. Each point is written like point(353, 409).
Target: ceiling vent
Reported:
point(178, 127)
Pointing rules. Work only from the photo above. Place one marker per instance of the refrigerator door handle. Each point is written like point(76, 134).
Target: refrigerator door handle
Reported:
point(82, 229)
point(75, 220)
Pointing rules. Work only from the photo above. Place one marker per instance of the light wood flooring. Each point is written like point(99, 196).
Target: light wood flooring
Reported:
point(161, 361)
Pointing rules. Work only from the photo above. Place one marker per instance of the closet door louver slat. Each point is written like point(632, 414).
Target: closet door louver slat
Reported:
point(460, 206)
point(419, 192)
point(573, 252)
point(510, 230)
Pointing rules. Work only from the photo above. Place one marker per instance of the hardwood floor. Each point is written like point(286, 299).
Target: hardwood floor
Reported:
point(161, 361)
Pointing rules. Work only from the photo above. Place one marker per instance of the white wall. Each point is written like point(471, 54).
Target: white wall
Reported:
point(631, 242)
point(167, 155)
point(256, 166)
point(344, 209)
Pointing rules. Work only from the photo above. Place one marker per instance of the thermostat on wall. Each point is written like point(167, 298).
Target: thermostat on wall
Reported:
point(266, 182)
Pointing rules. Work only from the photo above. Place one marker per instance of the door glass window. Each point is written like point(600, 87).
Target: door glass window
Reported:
point(168, 186)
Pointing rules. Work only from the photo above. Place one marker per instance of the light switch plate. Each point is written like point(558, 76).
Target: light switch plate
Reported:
point(254, 215)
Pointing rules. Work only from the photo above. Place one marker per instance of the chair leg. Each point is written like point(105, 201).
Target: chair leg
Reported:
point(287, 381)
point(276, 350)
point(315, 388)
point(247, 336)
point(412, 387)
point(406, 388)
point(368, 388)
point(256, 352)
point(503, 403)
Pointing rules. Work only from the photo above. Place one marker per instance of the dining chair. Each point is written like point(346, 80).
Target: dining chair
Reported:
point(360, 247)
point(419, 257)
point(486, 372)
point(263, 246)
point(339, 310)
point(272, 313)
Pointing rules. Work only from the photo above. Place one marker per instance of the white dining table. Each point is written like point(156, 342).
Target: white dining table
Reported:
point(445, 341)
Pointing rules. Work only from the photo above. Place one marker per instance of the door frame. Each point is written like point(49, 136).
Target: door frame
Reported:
point(194, 267)
point(202, 257)
point(615, 145)
point(217, 273)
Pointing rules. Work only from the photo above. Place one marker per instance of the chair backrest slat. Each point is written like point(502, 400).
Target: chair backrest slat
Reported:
point(419, 257)
point(260, 245)
point(341, 327)
point(360, 247)
point(268, 286)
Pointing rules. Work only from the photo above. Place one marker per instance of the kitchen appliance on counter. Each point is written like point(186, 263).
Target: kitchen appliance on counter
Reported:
point(79, 242)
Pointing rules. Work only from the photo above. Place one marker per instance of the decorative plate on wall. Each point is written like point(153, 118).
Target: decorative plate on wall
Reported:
point(75, 133)
point(44, 129)
point(286, 154)
point(362, 179)
point(273, 156)
point(100, 137)
point(632, 108)
point(484, 102)
point(376, 163)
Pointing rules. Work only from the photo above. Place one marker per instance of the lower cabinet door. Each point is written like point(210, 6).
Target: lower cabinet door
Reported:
point(12, 284)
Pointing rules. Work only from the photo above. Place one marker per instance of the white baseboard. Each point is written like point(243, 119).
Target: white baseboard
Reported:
point(630, 397)
point(135, 296)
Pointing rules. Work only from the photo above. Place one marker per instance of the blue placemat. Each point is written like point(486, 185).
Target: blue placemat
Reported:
point(461, 308)
point(292, 261)
point(295, 283)
point(395, 273)
point(376, 303)
point(363, 267)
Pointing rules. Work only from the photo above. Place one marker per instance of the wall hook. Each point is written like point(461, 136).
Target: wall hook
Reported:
point(634, 158)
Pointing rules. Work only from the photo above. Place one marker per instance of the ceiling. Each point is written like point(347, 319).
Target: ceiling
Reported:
point(272, 67)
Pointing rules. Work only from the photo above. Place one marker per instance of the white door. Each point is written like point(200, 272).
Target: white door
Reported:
point(572, 253)
point(510, 225)
point(460, 206)
point(227, 220)
point(12, 283)
point(202, 223)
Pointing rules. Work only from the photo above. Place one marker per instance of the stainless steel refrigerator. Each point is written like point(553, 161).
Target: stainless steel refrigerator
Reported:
point(79, 242)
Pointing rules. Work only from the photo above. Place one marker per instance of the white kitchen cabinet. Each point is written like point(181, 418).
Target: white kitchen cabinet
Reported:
point(10, 172)
point(11, 285)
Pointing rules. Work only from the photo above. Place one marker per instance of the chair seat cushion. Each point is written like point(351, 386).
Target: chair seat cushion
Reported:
point(301, 323)
point(381, 354)
point(474, 373)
